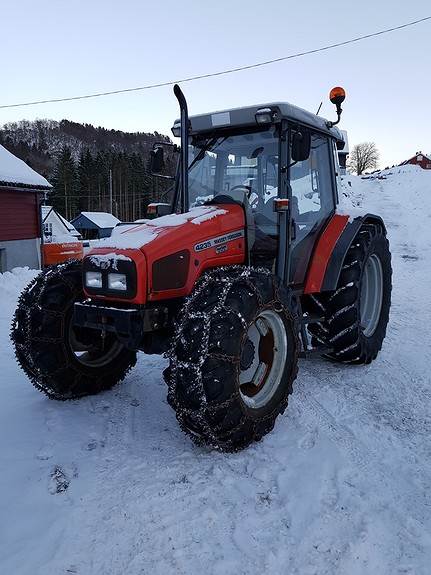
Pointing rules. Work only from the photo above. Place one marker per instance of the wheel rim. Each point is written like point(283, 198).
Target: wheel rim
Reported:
point(371, 295)
point(99, 353)
point(262, 362)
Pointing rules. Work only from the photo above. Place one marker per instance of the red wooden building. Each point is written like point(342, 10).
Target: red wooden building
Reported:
point(419, 159)
point(21, 190)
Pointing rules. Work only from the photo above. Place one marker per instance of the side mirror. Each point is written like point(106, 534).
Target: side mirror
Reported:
point(157, 160)
point(155, 210)
point(301, 145)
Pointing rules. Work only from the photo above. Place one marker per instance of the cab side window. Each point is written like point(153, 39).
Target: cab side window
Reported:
point(312, 203)
point(311, 183)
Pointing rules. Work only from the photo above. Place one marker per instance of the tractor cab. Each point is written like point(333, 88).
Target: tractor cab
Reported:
point(278, 162)
point(240, 168)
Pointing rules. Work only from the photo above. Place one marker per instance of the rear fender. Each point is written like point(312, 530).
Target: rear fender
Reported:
point(331, 250)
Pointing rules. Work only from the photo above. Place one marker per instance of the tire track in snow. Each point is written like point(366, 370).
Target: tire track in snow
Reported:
point(367, 458)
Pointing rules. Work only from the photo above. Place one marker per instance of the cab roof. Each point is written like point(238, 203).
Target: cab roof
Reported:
point(245, 116)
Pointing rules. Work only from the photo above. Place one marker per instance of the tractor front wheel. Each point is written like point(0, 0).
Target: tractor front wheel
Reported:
point(62, 361)
point(234, 358)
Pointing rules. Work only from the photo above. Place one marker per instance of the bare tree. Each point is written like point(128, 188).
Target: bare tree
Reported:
point(363, 157)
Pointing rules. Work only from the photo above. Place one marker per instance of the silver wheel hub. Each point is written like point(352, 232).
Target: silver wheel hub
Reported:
point(261, 378)
point(371, 296)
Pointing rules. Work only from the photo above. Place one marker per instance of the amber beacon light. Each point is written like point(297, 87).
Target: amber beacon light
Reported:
point(337, 96)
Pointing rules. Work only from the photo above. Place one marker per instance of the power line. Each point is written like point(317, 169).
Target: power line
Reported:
point(222, 72)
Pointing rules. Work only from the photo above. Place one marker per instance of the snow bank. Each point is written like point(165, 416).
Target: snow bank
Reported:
point(408, 188)
point(15, 171)
point(11, 283)
point(350, 196)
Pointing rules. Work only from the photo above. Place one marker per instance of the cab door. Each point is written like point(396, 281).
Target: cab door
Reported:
point(312, 203)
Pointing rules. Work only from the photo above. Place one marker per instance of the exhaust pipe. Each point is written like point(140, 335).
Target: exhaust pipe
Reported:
point(184, 148)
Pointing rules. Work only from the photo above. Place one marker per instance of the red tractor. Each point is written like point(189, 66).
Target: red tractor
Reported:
point(252, 268)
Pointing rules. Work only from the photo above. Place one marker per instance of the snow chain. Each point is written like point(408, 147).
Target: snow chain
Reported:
point(233, 274)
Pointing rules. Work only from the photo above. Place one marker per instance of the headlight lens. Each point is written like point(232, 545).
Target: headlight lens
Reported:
point(117, 282)
point(93, 279)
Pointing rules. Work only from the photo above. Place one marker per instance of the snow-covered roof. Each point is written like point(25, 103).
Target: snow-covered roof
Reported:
point(102, 219)
point(68, 224)
point(15, 172)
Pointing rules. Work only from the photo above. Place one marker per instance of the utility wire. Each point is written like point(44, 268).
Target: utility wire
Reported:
point(222, 72)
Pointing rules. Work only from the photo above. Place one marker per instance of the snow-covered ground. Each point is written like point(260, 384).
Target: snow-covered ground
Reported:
point(109, 485)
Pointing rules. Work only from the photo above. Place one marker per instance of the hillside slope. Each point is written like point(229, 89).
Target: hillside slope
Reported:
point(109, 485)
point(40, 141)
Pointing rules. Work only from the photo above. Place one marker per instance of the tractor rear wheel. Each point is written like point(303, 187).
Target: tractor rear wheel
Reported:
point(62, 361)
point(357, 312)
point(234, 358)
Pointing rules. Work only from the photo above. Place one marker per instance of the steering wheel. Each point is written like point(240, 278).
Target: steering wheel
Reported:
point(249, 193)
point(242, 187)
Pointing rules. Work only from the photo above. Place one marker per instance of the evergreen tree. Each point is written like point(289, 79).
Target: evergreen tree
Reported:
point(86, 181)
point(64, 193)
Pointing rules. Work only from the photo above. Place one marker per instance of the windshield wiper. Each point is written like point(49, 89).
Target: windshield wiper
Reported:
point(205, 149)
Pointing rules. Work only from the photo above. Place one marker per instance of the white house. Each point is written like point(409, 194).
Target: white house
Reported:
point(56, 228)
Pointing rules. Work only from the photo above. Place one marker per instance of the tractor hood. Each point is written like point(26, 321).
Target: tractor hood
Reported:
point(170, 253)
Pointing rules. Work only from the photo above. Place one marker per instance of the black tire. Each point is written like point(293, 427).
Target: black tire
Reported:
point(205, 361)
point(342, 330)
point(42, 336)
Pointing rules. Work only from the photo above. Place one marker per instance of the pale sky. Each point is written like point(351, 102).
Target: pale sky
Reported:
point(58, 48)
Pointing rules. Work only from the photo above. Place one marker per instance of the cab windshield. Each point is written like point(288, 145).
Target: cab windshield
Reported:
point(249, 162)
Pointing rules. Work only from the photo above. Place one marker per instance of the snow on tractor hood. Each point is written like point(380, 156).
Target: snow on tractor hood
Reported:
point(171, 252)
point(137, 235)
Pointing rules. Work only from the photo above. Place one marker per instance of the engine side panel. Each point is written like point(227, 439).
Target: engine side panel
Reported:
point(213, 243)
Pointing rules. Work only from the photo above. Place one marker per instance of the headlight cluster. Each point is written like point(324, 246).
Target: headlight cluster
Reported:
point(109, 275)
point(116, 281)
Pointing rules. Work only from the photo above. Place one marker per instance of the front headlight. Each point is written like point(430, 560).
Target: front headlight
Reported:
point(109, 275)
point(93, 279)
point(117, 282)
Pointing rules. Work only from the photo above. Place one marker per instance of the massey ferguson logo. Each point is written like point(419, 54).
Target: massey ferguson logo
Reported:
point(214, 242)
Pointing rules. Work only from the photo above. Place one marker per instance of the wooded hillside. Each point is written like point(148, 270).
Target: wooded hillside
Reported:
point(79, 159)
